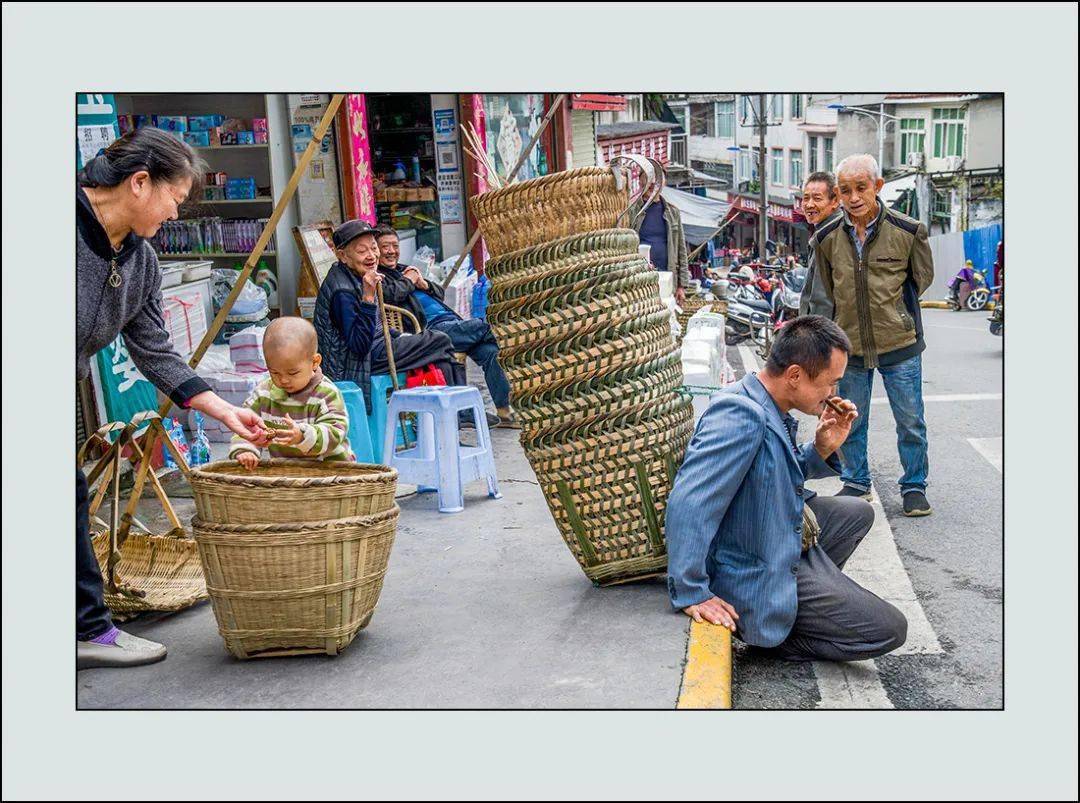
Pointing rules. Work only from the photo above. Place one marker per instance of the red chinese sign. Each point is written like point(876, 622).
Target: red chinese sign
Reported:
point(597, 102)
point(360, 151)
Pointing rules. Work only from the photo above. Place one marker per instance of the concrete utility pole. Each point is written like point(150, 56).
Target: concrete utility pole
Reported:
point(763, 124)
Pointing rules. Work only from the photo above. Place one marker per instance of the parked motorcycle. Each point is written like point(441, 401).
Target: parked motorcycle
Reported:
point(997, 317)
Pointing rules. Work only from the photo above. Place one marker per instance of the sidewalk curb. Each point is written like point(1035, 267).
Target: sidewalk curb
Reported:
point(934, 304)
point(707, 674)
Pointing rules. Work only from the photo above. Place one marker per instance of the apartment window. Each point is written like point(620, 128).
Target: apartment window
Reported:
point(725, 119)
point(796, 107)
point(813, 143)
point(777, 165)
point(942, 204)
point(912, 137)
point(748, 166)
point(777, 112)
point(702, 120)
point(948, 133)
point(796, 168)
point(827, 161)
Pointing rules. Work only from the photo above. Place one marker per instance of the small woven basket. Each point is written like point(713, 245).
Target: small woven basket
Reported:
point(298, 588)
point(164, 570)
point(289, 490)
point(547, 208)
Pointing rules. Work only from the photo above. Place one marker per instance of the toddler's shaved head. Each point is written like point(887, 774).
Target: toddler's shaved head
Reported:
point(290, 336)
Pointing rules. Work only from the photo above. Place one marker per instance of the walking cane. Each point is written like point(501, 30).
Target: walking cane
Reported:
point(390, 358)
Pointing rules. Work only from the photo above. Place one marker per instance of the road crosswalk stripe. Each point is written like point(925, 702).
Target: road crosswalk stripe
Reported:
point(990, 448)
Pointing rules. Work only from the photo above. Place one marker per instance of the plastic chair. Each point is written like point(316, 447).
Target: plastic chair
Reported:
point(439, 460)
point(359, 436)
point(380, 389)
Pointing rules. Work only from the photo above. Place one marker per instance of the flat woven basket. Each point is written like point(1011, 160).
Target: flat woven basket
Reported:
point(586, 344)
point(296, 588)
point(525, 214)
point(281, 491)
point(164, 569)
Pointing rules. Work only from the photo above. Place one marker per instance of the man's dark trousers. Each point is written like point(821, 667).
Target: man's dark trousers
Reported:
point(837, 619)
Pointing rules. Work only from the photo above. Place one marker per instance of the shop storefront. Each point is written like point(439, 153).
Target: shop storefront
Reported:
point(786, 225)
point(401, 166)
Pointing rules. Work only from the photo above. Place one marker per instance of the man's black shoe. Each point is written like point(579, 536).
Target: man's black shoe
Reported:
point(847, 490)
point(915, 504)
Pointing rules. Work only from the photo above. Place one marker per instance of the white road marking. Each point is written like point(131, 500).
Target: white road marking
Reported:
point(850, 685)
point(990, 448)
point(749, 359)
point(965, 328)
point(877, 567)
point(956, 397)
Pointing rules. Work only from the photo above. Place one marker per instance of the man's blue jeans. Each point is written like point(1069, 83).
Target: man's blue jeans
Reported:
point(473, 336)
point(903, 384)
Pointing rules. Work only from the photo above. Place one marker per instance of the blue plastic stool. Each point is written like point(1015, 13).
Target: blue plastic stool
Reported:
point(359, 436)
point(380, 388)
point(439, 460)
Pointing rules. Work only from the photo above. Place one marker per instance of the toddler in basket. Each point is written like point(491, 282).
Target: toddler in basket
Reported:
point(304, 412)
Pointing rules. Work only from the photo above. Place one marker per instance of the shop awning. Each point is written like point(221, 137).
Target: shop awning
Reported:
point(700, 216)
point(778, 212)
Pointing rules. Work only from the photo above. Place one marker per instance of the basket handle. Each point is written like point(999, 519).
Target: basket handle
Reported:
point(652, 172)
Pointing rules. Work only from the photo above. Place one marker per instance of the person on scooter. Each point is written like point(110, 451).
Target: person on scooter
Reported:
point(968, 276)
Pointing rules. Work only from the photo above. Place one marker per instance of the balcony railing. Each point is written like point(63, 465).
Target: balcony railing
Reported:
point(678, 154)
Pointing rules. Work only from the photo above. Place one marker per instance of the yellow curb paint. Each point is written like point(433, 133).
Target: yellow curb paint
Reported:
point(934, 304)
point(707, 675)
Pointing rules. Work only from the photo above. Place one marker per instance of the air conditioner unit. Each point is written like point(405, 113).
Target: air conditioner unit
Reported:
point(953, 162)
point(915, 159)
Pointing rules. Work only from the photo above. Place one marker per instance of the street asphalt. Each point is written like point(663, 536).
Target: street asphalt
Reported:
point(488, 609)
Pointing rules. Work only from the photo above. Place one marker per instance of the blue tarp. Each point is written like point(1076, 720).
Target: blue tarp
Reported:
point(980, 246)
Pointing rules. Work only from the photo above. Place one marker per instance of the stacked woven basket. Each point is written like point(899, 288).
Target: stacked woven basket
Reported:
point(294, 553)
point(594, 373)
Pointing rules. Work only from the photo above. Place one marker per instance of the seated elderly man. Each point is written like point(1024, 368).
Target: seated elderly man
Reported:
point(404, 286)
point(750, 547)
point(346, 319)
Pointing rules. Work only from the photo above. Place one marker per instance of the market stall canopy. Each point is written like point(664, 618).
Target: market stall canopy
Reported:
point(700, 216)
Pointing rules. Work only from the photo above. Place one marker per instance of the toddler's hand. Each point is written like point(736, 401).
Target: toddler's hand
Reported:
point(248, 460)
point(289, 437)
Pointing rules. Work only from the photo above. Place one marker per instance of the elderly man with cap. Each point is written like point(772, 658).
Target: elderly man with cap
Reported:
point(346, 319)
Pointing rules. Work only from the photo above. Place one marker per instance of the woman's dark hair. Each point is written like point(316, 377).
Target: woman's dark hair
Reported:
point(808, 341)
point(160, 154)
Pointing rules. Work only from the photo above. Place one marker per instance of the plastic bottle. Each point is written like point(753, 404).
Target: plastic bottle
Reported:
point(200, 443)
point(480, 298)
point(416, 169)
point(176, 435)
point(399, 172)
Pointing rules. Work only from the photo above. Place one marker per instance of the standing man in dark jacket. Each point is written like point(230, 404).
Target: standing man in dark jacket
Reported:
point(820, 203)
point(404, 286)
point(873, 264)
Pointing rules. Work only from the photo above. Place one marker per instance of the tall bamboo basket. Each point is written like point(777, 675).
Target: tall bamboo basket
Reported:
point(596, 379)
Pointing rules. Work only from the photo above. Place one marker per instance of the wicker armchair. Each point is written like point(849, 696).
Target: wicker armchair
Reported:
point(396, 317)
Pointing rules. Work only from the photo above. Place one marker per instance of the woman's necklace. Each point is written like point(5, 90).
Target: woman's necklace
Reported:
point(115, 279)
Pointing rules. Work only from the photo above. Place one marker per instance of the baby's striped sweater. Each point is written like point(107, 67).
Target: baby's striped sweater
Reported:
point(322, 420)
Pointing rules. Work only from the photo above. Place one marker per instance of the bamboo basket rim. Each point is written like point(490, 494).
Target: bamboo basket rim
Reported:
point(296, 528)
point(561, 248)
point(531, 185)
point(361, 474)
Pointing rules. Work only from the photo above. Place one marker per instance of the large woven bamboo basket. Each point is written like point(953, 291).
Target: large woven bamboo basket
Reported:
point(608, 494)
point(594, 373)
point(281, 491)
point(547, 208)
point(298, 588)
point(164, 570)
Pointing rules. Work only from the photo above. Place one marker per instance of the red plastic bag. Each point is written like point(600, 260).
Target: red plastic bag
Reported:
point(428, 375)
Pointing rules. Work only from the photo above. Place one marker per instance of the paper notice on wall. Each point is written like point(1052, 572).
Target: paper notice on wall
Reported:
point(319, 252)
point(93, 139)
point(301, 136)
point(311, 99)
